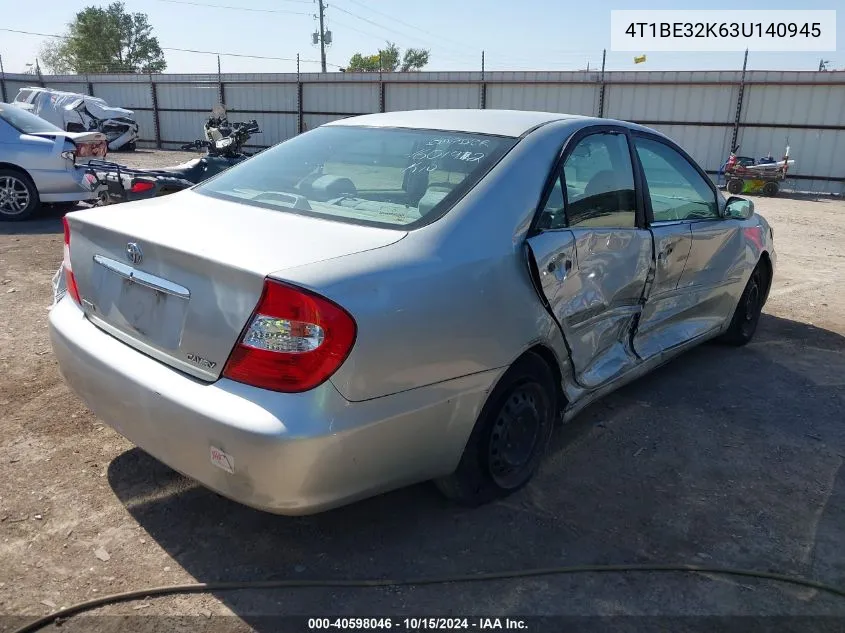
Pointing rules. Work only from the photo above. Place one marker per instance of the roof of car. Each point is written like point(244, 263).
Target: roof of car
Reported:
point(500, 122)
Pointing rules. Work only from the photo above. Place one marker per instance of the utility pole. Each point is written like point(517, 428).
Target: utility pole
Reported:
point(739, 97)
point(322, 35)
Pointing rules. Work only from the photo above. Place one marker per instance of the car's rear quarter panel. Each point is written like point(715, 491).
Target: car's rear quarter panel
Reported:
point(452, 298)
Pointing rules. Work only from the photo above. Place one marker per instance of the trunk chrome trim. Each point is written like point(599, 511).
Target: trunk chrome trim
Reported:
point(145, 279)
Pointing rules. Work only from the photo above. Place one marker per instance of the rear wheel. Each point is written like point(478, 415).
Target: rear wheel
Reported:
point(770, 189)
point(18, 196)
point(510, 436)
point(747, 313)
point(735, 185)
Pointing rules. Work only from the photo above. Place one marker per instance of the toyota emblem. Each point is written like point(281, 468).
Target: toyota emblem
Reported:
point(133, 253)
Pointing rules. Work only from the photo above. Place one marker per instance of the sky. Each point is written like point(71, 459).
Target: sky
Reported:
point(515, 35)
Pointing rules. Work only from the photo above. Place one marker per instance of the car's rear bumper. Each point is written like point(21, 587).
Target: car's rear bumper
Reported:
point(64, 185)
point(291, 453)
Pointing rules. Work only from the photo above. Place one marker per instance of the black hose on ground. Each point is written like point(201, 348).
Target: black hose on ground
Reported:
point(206, 587)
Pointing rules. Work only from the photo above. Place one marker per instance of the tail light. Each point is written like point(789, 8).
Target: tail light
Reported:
point(91, 149)
point(140, 186)
point(293, 342)
point(70, 280)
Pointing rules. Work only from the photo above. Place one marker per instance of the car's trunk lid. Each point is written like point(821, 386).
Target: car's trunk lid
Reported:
point(87, 146)
point(177, 277)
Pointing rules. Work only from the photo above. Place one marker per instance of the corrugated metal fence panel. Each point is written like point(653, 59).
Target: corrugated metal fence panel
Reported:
point(275, 128)
point(12, 88)
point(673, 101)
point(253, 96)
point(816, 152)
point(125, 95)
point(359, 98)
point(707, 104)
point(180, 127)
point(568, 98)
point(709, 146)
point(187, 96)
point(146, 124)
point(401, 96)
point(67, 86)
point(796, 105)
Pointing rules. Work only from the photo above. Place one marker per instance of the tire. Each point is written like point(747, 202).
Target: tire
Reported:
point(770, 189)
point(18, 196)
point(510, 437)
point(735, 185)
point(747, 313)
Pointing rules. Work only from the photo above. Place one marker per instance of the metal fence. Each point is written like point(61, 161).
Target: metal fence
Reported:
point(705, 111)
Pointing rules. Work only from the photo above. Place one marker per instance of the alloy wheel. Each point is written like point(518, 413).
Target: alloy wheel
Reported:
point(14, 195)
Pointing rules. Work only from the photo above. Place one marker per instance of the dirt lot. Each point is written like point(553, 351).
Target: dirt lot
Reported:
point(724, 457)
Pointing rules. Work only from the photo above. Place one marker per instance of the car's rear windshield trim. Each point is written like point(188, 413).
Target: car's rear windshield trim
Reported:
point(446, 205)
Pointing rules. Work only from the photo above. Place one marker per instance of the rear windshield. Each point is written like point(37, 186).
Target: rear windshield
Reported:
point(24, 121)
point(388, 177)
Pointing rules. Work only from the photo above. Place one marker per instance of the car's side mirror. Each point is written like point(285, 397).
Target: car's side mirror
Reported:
point(739, 208)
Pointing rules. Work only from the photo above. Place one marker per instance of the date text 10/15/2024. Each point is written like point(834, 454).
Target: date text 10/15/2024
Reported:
point(417, 624)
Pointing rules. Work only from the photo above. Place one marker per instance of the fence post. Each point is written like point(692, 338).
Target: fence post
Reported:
point(380, 87)
point(3, 82)
point(299, 120)
point(221, 90)
point(156, 122)
point(483, 95)
point(90, 85)
point(739, 97)
point(603, 84)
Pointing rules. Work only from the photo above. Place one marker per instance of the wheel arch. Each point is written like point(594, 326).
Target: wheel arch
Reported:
point(548, 356)
point(17, 168)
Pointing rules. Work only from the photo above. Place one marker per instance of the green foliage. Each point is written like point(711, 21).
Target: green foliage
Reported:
point(105, 40)
point(388, 60)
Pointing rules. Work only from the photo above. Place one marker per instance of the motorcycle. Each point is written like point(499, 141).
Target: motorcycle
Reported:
point(223, 144)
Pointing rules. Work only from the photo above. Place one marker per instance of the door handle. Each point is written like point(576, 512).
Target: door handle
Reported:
point(664, 254)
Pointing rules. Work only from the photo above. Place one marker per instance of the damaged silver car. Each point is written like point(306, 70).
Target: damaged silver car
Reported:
point(74, 112)
point(401, 297)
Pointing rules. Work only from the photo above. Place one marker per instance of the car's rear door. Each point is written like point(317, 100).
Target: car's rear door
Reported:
point(697, 251)
point(592, 252)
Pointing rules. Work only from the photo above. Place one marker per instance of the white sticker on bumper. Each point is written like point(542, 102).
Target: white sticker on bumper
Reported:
point(222, 460)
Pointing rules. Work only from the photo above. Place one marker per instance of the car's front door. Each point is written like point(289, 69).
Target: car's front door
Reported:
point(698, 252)
point(592, 253)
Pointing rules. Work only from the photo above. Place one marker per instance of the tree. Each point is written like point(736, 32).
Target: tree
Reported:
point(388, 60)
point(105, 40)
point(414, 59)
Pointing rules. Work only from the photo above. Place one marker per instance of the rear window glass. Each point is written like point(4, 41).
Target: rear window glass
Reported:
point(24, 121)
point(380, 176)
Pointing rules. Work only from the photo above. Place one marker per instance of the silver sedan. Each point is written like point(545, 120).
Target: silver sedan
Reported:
point(400, 297)
point(41, 163)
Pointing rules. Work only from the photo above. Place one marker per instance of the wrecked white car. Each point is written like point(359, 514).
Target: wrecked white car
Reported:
point(74, 112)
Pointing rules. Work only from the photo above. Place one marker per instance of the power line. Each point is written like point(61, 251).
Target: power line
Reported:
point(381, 37)
point(381, 26)
point(186, 50)
point(395, 19)
point(223, 6)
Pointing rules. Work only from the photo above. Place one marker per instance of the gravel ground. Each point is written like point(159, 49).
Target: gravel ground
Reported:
point(723, 457)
